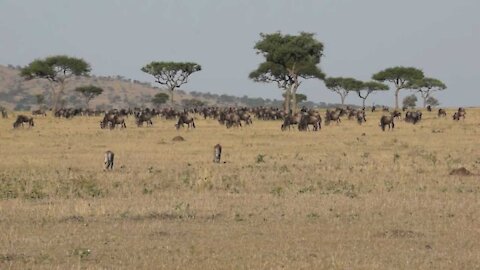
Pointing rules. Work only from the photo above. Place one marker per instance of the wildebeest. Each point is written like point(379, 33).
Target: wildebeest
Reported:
point(387, 120)
point(361, 117)
point(413, 117)
point(39, 112)
point(232, 118)
point(67, 112)
point(268, 113)
point(352, 114)
point(169, 113)
point(23, 119)
point(4, 112)
point(109, 156)
point(334, 115)
point(429, 108)
point(111, 120)
point(460, 113)
point(142, 117)
point(442, 112)
point(396, 114)
point(184, 118)
point(310, 119)
point(217, 153)
point(245, 117)
point(291, 120)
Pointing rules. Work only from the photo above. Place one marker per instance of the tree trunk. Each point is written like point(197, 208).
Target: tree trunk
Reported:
point(363, 102)
point(396, 98)
point(294, 101)
point(342, 98)
point(294, 96)
point(52, 95)
point(171, 97)
point(57, 95)
point(425, 97)
point(287, 101)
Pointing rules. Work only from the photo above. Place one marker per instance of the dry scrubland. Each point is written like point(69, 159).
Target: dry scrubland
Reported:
point(347, 197)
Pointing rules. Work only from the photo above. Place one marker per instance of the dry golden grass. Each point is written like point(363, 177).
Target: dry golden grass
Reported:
point(334, 199)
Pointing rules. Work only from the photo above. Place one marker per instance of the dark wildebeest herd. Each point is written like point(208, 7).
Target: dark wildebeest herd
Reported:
point(304, 120)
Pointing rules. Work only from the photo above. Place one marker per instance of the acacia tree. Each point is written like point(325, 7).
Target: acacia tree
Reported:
point(343, 86)
point(426, 86)
point(171, 74)
point(58, 70)
point(192, 103)
point(401, 77)
point(369, 87)
point(410, 101)
point(89, 92)
point(432, 101)
point(299, 98)
point(159, 99)
point(40, 99)
point(288, 59)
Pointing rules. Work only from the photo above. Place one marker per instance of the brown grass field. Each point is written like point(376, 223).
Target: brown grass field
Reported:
point(347, 197)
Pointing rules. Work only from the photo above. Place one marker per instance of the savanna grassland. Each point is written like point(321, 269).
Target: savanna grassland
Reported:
point(347, 197)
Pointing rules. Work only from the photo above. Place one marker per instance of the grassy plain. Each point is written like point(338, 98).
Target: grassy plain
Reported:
point(347, 197)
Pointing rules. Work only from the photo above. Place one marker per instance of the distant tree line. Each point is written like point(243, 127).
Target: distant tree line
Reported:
point(289, 60)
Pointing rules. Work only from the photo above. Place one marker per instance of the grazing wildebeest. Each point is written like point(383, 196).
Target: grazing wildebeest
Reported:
point(334, 116)
point(39, 112)
point(351, 114)
point(442, 112)
point(217, 153)
point(23, 119)
point(460, 113)
point(185, 119)
point(233, 119)
point(67, 112)
point(429, 108)
point(109, 156)
point(396, 114)
point(413, 117)
point(142, 117)
point(387, 120)
point(310, 119)
point(385, 109)
point(111, 120)
point(245, 117)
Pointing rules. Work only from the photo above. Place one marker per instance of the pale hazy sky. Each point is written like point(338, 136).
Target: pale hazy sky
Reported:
point(361, 37)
